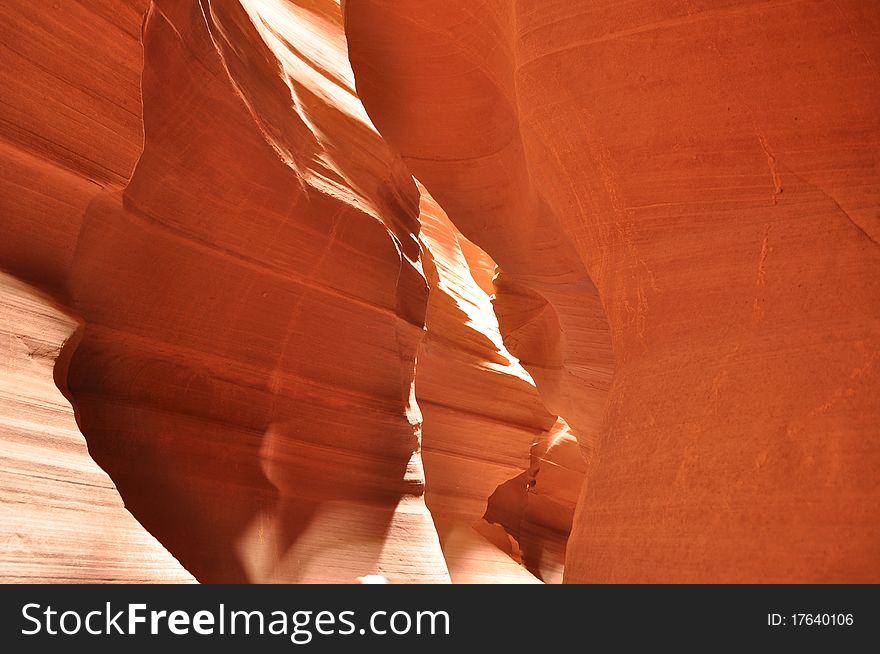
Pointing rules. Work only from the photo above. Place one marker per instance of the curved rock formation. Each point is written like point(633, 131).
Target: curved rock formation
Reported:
point(261, 323)
point(289, 351)
point(253, 302)
point(481, 410)
point(63, 520)
point(713, 170)
point(536, 508)
point(246, 258)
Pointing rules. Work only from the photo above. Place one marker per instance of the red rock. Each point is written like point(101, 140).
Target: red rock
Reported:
point(481, 410)
point(62, 519)
point(712, 169)
point(289, 352)
point(253, 303)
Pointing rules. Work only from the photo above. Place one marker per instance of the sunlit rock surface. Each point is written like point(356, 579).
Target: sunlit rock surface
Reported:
point(252, 295)
point(702, 178)
point(635, 300)
point(263, 314)
point(63, 520)
point(481, 410)
point(246, 257)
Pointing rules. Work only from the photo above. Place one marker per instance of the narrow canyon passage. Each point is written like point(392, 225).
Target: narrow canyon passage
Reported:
point(288, 353)
point(714, 170)
point(420, 292)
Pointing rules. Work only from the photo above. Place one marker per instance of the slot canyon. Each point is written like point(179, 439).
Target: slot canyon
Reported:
point(495, 291)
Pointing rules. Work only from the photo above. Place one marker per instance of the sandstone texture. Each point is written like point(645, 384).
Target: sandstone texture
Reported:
point(420, 292)
point(702, 178)
point(63, 520)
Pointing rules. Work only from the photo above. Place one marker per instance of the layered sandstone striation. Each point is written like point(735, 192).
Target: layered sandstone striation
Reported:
point(252, 297)
point(710, 173)
point(70, 127)
point(254, 301)
point(482, 413)
point(635, 300)
point(251, 269)
point(63, 520)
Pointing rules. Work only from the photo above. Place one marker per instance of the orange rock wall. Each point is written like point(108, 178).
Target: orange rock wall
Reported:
point(297, 364)
point(251, 269)
point(713, 170)
point(62, 518)
point(481, 410)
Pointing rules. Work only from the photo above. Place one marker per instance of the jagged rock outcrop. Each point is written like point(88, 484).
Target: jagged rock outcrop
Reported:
point(711, 171)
